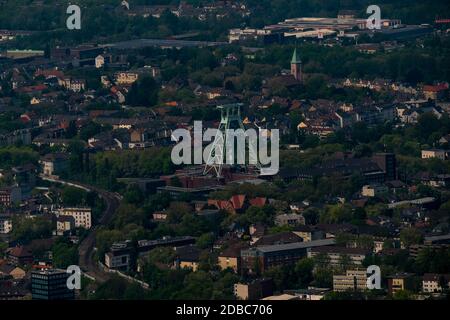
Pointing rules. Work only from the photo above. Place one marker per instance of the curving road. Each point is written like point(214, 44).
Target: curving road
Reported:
point(86, 248)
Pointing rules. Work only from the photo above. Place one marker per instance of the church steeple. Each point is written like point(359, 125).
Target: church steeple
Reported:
point(295, 58)
point(296, 66)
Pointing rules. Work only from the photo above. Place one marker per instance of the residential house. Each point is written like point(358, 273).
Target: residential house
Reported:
point(53, 164)
point(400, 282)
point(255, 290)
point(231, 257)
point(64, 224)
point(432, 282)
point(13, 271)
point(289, 219)
point(435, 92)
point(19, 255)
point(187, 257)
point(436, 153)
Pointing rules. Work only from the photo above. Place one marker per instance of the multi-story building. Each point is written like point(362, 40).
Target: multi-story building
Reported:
point(10, 195)
point(436, 153)
point(336, 254)
point(353, 280)
point(50, 284)
point(259, 259)
point(388, 164)
point(308, 233)
point(54, 164)
point(82, 216)
point(119, 256)
point(64, 224)
point(19, 255)
point(144, 246)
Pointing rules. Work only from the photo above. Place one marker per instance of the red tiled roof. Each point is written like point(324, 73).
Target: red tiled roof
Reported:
point(258, 202)
point(436, 88)
point(39, 87)
point(237, 201)
point(48, 73)
point(19, 252)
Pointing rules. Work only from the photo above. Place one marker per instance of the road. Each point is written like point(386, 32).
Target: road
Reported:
point(87, 263)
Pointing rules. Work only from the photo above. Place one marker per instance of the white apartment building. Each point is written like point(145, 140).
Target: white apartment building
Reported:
point(82, 216)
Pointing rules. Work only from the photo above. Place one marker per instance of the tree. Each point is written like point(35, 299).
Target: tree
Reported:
point(64, 254)
point(410, 236)
point(26, 229)
point(143, 92)
point(402, 295)
point(133, 195)
point(323, 278)
point(345, 262)
point(322, 260)
point(304, 271)
point(105, 238)
point(205, 240)
point(128, 214)
point(197, 286)
point(176, 211)
point(72, 196)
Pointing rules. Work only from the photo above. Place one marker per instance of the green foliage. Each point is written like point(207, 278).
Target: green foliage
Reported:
point(337, 214)
point(27, 229)
point(105, 238)
point(64, 254)
point(143, 92)
point(119, 289)
point(16, 156)
point(433, 261)
point(72, 196)
point(264, 215)
point(410, 236)
point(205, 240)
point(128, 213)
point(402, 295)
point(105, 167)
point(160, 256)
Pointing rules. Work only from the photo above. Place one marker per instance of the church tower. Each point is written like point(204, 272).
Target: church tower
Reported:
point(296, 67)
